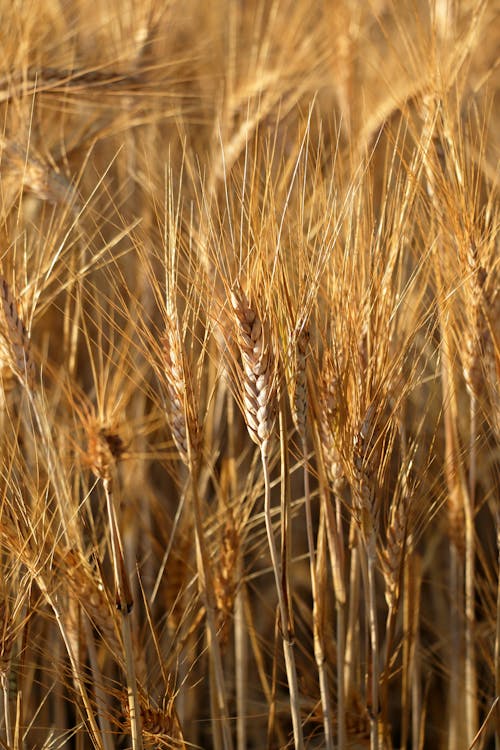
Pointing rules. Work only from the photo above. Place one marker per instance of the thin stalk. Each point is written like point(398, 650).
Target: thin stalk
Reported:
point(101, 697)
point(341, 647)
point(240, 636)
point(319, 651)
point(390, 625)
point(337, 566)
point(125, 604)
point(470, 651)
point(96, 735)
point(455, 724)
point(415, 588)
point(283, 611)
point(240, 654)
point(497, 642)
point(352, 634)
point(334, 534)
point(208, 597)
point(371, 554)
point(6, 708)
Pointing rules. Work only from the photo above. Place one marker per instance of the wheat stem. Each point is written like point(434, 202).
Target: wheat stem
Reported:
point(101, 697)
point(285, 623)
point(497, 638)
point(470, 595)
point(125, 604)
point(6, 708)
point(207, 592)
point(371, 560)
point(319, 651)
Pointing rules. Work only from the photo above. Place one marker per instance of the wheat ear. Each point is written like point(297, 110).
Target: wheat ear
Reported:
point(16, 337)
point(258, 399)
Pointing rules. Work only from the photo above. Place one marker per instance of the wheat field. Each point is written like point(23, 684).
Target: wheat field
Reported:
point(249, 362)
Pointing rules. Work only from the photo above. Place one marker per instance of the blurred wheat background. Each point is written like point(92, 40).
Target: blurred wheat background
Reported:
point(249, 361)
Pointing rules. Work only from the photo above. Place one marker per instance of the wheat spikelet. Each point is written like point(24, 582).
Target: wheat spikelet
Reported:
point(225, 584)
point(298, 381)
point(393, 553)
point(257, 360)
point(476, 341)
point(182, 416)
point(363, 475)
point(105, 448)
point(16, 338)
point(329, 423)
point(6, 633)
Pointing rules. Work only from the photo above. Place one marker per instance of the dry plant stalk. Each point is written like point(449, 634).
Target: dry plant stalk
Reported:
point(299, 341)
point(186, 432)
point(105, 450)
point(257, 393)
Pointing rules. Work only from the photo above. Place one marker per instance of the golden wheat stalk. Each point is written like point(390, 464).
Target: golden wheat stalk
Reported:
point(298, 350)
point(257, 396)
point(183, 421)
point(105, 450)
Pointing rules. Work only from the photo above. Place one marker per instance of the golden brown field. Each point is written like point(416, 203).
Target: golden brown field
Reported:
point(249, 361)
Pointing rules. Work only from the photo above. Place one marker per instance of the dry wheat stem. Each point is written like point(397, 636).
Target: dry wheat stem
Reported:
point(258, 404)
point(185, 429)
point(497, 636)
point(101, 697)
point(318, 635)
point(208, 595)
point(76, 669)
point(284, 615)
point(125, 604)
point(337, 566)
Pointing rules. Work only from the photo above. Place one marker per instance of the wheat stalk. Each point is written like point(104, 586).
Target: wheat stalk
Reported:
point(299, 341)
point(257, 396)
point(186, 433)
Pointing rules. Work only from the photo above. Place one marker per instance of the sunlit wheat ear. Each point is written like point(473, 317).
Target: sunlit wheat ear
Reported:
point(258, 377)
point(394, 551)
point(105, 448)
point(182, 416)
point(15, 337)
point(225, 583)
point(299, 340)
point(330, 415)
point(477, 337)
point(363, 475)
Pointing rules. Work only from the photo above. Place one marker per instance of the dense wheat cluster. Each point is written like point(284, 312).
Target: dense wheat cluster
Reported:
point(249, 360)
